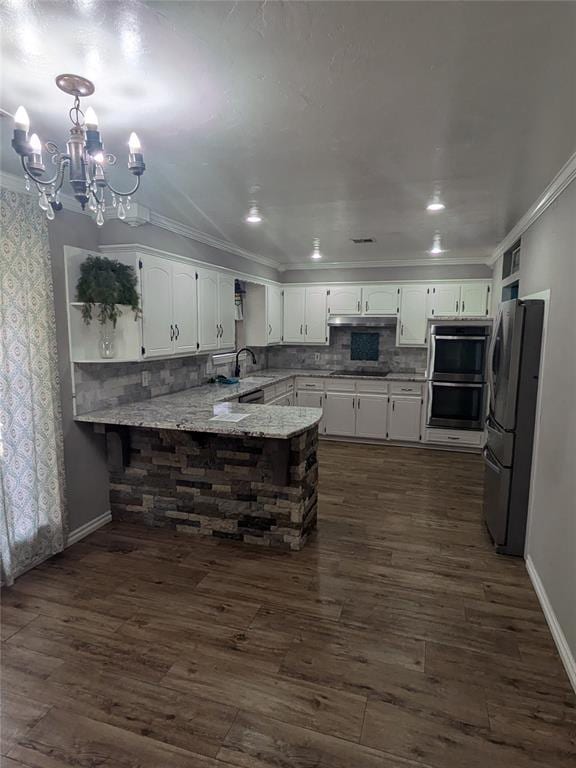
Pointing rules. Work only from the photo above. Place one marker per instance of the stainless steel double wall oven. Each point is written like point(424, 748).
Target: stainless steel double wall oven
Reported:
point(457, 386)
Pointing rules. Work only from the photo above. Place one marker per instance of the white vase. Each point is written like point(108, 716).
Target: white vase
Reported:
point(107, 340)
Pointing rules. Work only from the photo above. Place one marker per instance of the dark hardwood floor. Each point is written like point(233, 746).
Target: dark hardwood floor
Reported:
point(396, 639)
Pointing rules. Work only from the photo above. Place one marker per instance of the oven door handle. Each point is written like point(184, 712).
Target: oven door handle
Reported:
point(455, 384)
point(460, 338)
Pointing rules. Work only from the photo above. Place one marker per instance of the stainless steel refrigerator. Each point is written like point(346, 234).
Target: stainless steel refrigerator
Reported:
point(513, 369)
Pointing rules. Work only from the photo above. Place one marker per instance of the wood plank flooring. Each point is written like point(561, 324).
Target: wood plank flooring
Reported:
point(396, 639)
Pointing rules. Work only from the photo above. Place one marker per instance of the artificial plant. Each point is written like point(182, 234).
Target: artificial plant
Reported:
point(107, 284)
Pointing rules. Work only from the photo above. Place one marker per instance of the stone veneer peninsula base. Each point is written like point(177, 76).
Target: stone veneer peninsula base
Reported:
point(252, 489)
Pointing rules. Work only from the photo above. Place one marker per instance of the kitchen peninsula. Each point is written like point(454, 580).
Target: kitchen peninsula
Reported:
point(199, 463)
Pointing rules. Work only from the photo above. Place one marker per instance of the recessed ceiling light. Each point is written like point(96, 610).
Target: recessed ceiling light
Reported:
point(435, 204)
point(316, 249)
point(253, 216)
point(436, 245)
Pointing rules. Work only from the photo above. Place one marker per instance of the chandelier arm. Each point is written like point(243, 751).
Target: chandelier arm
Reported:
point(124, 194)
point(95, 196)
point(41, 182)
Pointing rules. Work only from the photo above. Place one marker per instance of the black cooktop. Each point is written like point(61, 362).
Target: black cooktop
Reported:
point(362, 372)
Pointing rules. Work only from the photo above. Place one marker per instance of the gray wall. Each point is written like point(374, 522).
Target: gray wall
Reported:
point(548, 261)
point(368, 274)
point(84, 454)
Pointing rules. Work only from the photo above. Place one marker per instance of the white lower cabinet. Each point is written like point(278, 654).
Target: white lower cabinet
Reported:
point(309, 399)
point(371, 416)
point(404, 417)
point(340, 414)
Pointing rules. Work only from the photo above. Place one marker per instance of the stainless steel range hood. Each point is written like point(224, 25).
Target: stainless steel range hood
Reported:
point(362, 321)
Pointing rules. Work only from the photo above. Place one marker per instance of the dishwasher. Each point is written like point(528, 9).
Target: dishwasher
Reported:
point(252, 397)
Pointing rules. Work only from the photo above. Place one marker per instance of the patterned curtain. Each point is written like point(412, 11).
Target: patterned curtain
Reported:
point(31, 448)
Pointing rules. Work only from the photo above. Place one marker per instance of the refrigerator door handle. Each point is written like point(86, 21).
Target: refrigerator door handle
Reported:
point(490, 369)
point(486, 456)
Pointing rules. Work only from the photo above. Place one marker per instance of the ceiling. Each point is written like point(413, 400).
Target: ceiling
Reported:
point(346, 115)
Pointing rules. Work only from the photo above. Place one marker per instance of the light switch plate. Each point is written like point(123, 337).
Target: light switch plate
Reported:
point(145, 378)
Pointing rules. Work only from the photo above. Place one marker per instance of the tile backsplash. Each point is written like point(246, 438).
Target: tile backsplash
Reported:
point(337, 355)
point(104, 385)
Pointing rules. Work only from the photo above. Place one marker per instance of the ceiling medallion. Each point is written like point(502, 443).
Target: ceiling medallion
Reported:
point(84, 158)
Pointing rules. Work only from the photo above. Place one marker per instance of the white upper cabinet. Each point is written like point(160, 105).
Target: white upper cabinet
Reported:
point(262, 308)
point(474, 299)
point(380, 299)
point(274, 313)
point(305, 315)
point(315, 327)
point(404, 417)
point(345, 300)
point(413, 318)
point(185, 307)
point(294, 314)
point(226, 312)
point(157, 322)
point(208, 326)
point(444, 300)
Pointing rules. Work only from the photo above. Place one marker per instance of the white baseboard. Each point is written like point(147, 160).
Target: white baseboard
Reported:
point(555, 628)
point(88, 528)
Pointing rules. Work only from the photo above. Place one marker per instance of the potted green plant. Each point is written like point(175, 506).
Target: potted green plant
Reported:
point(105, 285)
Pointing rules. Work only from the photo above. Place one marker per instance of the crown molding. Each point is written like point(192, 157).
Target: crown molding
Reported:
point(420, 262)
point(114, 249)
point(147, 215)
point(563, 179)
point(201, 237)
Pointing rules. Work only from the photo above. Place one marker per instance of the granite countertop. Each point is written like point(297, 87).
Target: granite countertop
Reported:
point(279, 373)
point(195, 409)
point(184, 413)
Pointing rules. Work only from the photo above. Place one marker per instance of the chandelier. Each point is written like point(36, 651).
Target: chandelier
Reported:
point(84, 158)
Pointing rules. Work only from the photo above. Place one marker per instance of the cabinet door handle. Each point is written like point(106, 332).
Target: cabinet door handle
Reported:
point(171, 332)
point(358, 305)
point(177, 330)
point(306, 330)
point(457, 304)
point(393, 405)
point(269, 329)
point(301, 330)
point(401, 329)
point(358, 403)
point(463, 306)
point(366, 306)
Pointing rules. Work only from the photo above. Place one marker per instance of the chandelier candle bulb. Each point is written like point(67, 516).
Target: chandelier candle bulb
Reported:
point(35, 164)
point(21, 128)
point(93, 140)
point(91, 119)
point(135, 157)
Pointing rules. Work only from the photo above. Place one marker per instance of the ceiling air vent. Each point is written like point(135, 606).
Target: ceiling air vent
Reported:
point(362, 240)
